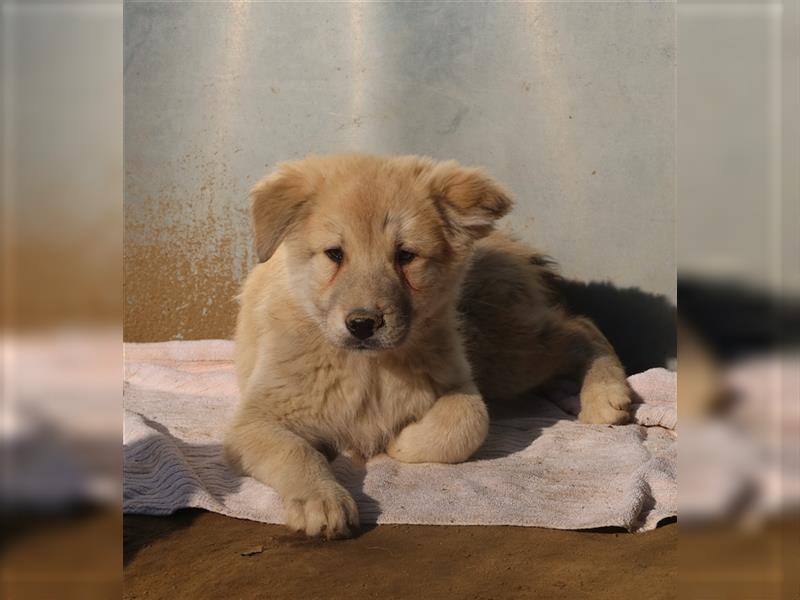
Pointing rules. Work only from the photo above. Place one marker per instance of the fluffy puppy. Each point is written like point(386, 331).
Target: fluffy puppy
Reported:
point(383, 312)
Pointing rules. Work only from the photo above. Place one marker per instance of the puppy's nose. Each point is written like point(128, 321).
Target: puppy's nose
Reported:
point(363, 323)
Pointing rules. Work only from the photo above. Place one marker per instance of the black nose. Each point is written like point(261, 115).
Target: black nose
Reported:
point(363, 323)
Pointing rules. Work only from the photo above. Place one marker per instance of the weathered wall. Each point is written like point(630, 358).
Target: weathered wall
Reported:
point(571, 105)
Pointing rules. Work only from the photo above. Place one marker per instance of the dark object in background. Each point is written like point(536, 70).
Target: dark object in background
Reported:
point(735, 320)
point(640, 326)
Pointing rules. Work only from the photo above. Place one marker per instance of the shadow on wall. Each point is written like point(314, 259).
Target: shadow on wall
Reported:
point(640, 326)
point(736, 320)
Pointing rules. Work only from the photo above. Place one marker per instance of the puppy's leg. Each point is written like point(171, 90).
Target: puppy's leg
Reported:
point(454, 427)
point(314, 501)
point(605, 393)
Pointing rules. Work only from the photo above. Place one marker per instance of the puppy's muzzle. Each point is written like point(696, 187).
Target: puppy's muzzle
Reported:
point(363, 324)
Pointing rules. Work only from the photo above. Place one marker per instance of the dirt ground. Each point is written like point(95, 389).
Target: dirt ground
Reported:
point(203, 555)
point(70, 555)
point(196, 554)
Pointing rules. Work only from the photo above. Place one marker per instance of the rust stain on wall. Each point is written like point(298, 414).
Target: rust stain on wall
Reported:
point(185, 256)
point(169, 296)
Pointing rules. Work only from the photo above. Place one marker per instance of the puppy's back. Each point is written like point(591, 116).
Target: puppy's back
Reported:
point(510, 311)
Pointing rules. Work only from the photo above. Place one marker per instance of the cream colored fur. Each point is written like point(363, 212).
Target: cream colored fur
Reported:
point(470, 317)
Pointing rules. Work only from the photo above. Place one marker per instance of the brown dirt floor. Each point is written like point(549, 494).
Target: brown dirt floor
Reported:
point(72, 555)
point(203, 555)
point(196, 554)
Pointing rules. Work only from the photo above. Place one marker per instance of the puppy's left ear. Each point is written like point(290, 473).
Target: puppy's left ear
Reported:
point(469, 201)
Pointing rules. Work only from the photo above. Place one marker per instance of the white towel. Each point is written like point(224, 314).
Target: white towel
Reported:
point(541, 468)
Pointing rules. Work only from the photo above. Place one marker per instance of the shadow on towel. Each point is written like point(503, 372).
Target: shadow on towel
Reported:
point(165, 463)
point(351, 473)
point(506, 437)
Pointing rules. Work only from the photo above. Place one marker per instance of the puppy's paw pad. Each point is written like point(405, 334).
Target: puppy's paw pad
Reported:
point(329, 511)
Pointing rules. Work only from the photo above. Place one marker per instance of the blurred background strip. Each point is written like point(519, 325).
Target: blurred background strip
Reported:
point(739, 298)
point(61, 299)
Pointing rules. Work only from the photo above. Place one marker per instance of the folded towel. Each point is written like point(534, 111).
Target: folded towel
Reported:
point(539, 468)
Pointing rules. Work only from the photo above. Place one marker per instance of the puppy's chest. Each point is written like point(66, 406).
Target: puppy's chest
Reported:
point(361, 404)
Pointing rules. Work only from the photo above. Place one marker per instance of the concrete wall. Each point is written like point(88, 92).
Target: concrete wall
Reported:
point(570, 104)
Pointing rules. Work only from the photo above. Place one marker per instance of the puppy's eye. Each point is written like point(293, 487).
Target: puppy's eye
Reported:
point(335, 254)
point(404, 257)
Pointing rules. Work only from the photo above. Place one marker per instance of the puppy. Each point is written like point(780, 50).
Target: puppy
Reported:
point(384, 311)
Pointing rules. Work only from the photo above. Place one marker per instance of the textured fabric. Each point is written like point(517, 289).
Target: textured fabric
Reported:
point(538, 467)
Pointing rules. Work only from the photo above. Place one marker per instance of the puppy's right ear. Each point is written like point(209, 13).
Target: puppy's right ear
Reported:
point(278, 202)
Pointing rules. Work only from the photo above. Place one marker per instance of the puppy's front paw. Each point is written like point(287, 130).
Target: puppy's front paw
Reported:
point(411, 444)
point(448, 433)
point(605, 402)
point(328, 511)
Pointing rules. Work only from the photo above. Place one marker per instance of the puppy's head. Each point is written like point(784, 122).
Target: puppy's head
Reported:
point(374, 245)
